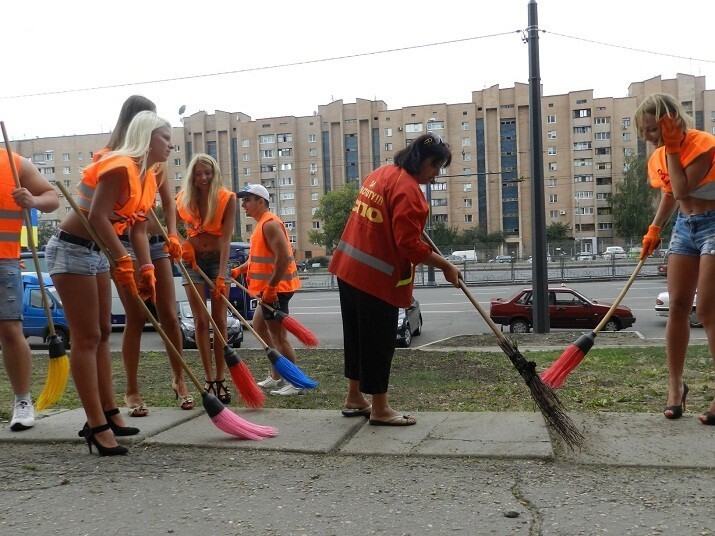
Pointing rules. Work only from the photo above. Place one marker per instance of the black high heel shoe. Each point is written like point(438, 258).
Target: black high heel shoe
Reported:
point(222, 392)
point(119, 431)
point(677, 411)
point(88, 434)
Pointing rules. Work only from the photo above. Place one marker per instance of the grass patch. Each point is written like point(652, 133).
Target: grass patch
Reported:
point(608, 379)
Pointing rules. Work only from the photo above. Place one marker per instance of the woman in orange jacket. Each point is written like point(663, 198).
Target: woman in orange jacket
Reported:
point(116, 193)
point(208, 211)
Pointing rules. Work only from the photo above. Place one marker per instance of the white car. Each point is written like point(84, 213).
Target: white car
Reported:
point(614, 252)
point(662, 303)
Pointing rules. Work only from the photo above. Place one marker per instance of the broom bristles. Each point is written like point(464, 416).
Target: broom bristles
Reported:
point(306, 337)
point(58, 371)
point(232, 424)
point(245, 383)
point(290, 371)
point(556, 374)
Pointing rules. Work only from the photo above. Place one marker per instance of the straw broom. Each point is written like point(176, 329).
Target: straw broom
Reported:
point(302, 333)
point(544, 397)
point(556, 374)
point(225, 420)
point(245, 383)
point(58, 368)
point(284, 367)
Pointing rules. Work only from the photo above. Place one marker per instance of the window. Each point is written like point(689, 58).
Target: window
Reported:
point(350, 121)
point(413, 127)
point(602, 136)
point(553, 198)
point(583, 195)
point(283, 138)
point(287, 211)
point(177, 176)
point(582, 146)
point(602, 120)
point(313, 152)
point(246, 171)
point(66, 170)
point(603, 165)
point(246, 143)
point(553, 166)
point(286, 181)
point(50, 156)
point(467, 203)
point(313, 211)
point(583, 112)
point(468, 187)
point(465, 125)
point(552, 183)
point(79, 156)
point(313, 168)
point(267, 168)
point(581, 130)
point(177, 161)
point(626, 122)
point(311, 138)
point(268, 153)
point(603, 150)
point(440, 218)
point(314, 181)
point(316, 225)
point(266, 138)
point(583, 178)
point(582, 211)
point(466, 142)
point(388, 147)
point(601, 109)
point(435, 125)
point(603, 196)
point(38, 157)
point(285, 152)
point(551, 150)
point(67, 183)
point(468, 218)
point(626, 136)
point(388, 132)
point(553, 214)
point(315, 197)
point(466, 156)
point(551, 135)
point(439, 202)
point(65, 157)
point(286, 196)
point(581, 101)
point(580, 162)
point(466, 171)
point(439, 186)
point(550, 119)
point(605, 226)
point(627, 151)
point(286, 167)
point(47, 170)
point(246, 157)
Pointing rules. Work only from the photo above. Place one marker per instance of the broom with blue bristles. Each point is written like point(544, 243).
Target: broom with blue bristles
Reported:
point(58, 368)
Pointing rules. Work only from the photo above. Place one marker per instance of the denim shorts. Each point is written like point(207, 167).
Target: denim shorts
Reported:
point(156, 250)
point(210, 267)
point(693, 235)
point(66, 258)
point(10, 290)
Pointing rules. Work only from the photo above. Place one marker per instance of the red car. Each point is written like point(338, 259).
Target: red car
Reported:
point(567, 309)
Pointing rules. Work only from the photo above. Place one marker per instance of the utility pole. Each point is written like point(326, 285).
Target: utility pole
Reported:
point(431, 282)
point(539, 269)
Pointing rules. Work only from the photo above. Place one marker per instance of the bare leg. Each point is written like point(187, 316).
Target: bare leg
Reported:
point(706, 308)
point(131, 343)
point(261, 327)
point(201, 325)
point(16, 356)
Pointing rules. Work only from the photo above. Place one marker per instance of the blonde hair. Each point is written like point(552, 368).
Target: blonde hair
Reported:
point(138, 138)
point(190, 197)
point(658, 105)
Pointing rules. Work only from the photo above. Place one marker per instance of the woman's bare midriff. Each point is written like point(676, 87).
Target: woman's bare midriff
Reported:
point(693, 205)
point(204, 243)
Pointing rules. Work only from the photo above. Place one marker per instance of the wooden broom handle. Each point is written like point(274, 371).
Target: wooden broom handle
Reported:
point(620, 297)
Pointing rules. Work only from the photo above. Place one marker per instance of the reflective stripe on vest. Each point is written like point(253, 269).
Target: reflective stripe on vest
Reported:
point(11, 215)
point(366, 258)
point(9, 237)
point(84, 201)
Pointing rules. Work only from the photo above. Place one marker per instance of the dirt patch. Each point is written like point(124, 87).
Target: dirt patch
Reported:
point(554, 338)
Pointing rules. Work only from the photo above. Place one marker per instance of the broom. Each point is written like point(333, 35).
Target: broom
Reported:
point(556, 374)
point(58, 368)
point(545, 397)
point(285, 368)
point(303, 334)
point(245, 383)
point(225, 420)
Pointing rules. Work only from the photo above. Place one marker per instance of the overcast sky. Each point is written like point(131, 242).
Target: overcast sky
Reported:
point(53, 48)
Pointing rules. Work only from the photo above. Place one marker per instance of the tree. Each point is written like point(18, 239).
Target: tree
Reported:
point(559, 235)
point(633, 203)
point(483, 240)
point(444, 236)
point(45, 231)
point(333, 212)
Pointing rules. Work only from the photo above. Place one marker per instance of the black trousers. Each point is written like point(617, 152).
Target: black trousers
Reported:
point(369, 334)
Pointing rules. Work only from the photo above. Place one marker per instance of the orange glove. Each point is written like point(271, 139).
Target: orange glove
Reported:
point(237, 271)
point(650, 241)
point(220, 288)
point(671, 133)
point(188, 254)
point(173, 248)
point(147, 283)
point(124, 275)
point(269, 296)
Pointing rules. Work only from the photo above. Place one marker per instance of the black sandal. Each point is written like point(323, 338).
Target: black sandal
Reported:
point(222, 392)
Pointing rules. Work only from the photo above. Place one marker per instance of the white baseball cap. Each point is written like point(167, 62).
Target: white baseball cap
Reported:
point(254, 189)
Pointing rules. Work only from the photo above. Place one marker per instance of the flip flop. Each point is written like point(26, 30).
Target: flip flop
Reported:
point(357, 412)
point(400, 420)
point(139, 410)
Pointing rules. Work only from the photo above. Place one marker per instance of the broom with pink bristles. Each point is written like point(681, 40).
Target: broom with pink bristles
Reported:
point(225, 420)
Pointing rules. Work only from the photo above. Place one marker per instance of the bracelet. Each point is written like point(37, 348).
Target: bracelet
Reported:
point(126, 255)
point(146, 267)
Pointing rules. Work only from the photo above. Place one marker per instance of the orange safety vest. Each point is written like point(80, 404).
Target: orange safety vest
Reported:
point(10, 213)
point(192, 218)
point(261, 261)
point(381, 243)
point(141, 193)
point(695, 144)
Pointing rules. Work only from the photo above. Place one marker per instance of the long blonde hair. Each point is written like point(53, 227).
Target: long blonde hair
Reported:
point(190, 197)
point(658, 105)
point(138, 138)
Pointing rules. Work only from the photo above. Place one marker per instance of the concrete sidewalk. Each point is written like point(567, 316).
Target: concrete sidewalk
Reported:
point(617, 439)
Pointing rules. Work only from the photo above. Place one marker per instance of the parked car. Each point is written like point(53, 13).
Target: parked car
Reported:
point(585, 256)
point(614, 252)
point(188, 331)
point(567, 309)
point(34, 319)
point(244, 304)
point(409, 323)
point(502, 258)
point(662, 306)
point(455, 258)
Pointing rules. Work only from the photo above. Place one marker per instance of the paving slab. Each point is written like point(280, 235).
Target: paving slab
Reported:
point(643, 440)
point(314, 431)
point(520, 435)
point(62, 426)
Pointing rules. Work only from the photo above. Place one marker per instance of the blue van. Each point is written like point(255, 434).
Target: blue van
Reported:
point(34, 320)
point(243, 303)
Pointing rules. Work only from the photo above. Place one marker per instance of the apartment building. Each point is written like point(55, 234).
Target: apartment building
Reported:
point(586, 141)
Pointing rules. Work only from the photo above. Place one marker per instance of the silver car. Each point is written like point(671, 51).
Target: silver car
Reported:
point(188, 331)
point(662, 305)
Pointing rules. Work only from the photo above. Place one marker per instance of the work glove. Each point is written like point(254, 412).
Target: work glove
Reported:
point(238, 270)
point(189, 255)
point(220, 288)
point(269, 296)
point(173, 248)
point(147, 283)
point(671, 133)
point(650, 241)
point(124, 275)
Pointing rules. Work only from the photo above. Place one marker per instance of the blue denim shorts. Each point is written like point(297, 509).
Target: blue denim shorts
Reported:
point(156, 249)
point(694, 235)
point(10, 290)
point(210, 267)
point(66, 258)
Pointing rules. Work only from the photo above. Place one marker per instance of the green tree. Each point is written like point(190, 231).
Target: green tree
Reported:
point(443, 236)
point(559, 235)
point(333, 212)
point(634, 201)
point(45, 230)
point(485, 243)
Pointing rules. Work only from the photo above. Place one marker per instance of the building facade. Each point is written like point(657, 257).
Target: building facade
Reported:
point(586, 142)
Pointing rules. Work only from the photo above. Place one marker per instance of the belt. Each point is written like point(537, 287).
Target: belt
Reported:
point(153, 239)
point(77, 240)
point(209, 256)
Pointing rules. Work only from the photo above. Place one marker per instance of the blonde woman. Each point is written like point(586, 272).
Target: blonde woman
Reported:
point(208, 211)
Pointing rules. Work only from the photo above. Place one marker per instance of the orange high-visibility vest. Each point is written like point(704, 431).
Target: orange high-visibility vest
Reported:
point(141, 193)
point(696, 143)
point(261, 261)
point(192, 218)
point(10, 213)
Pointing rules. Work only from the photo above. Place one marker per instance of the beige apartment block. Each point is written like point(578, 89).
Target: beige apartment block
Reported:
point(585, 139)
